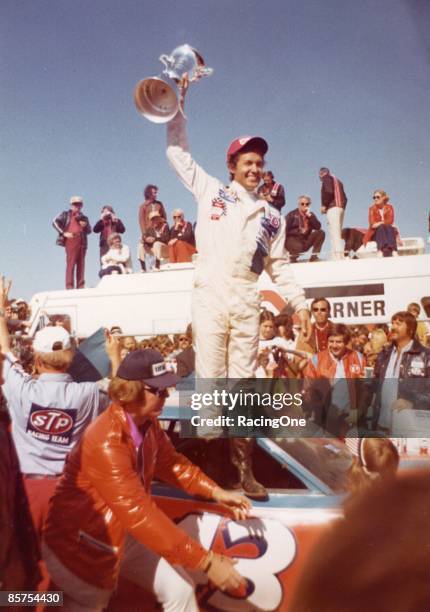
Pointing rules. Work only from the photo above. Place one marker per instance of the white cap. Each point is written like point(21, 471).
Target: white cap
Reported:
point(76, 200)
point(46, 339)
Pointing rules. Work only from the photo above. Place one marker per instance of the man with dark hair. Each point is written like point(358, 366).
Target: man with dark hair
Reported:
point(238, 237)
point(334, 401)
point(150, 205)
point(402, 372)
point(321, 328)
point(303, 231)
point(333, 204)
point(271, 191)
point(73, 227)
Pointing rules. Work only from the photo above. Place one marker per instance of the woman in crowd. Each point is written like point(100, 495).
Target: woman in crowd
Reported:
point(381, 228)
point(277, 349)
point(182, 245)
point(117, 260)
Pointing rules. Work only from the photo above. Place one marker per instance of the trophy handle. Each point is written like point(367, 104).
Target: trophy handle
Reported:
point(166, 60)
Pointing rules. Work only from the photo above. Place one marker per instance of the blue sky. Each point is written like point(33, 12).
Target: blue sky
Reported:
point(339, 83)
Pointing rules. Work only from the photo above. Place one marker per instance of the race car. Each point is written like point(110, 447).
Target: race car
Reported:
point(306, 479)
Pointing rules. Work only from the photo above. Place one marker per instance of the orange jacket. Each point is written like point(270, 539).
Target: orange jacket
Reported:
point(101, 496)
point(323, 366)
point(375, 217)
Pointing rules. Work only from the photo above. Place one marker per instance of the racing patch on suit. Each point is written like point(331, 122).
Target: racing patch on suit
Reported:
point(269, 227)
point(51, 425)
point(219, 203)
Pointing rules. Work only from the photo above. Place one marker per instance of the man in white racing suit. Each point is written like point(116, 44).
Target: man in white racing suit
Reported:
point(237, 236)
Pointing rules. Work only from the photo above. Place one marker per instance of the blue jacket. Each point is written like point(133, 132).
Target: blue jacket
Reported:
point(414, 377)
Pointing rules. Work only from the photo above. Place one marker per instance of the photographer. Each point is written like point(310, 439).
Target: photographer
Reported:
point(73, 227)
point(182, 244)
point(108, 224)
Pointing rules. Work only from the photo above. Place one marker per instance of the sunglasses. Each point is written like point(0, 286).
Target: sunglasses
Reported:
point(183, 339)
point(157, 392)
point(319, 309)
point(376, 197)
point(305, 203)
point(177, 216)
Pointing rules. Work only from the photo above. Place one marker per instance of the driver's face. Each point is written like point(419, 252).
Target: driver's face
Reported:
point(248, 170)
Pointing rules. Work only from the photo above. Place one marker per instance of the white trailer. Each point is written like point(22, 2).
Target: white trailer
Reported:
point(360, 291)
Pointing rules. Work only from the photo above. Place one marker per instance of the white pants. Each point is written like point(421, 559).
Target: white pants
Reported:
point(335, 216)
point(226, 328)
point(172, 586)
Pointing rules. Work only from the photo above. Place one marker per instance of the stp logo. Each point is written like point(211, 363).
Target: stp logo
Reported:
point(51, 421)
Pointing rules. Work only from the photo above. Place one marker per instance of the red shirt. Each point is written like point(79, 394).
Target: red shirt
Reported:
point(74, 226)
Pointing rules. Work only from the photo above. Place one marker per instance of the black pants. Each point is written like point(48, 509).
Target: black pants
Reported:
point(298, 244)
point(109, 270)
point(353, 239)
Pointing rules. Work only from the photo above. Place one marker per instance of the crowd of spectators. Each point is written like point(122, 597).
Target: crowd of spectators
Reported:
point(365, 358)
point(161, 242)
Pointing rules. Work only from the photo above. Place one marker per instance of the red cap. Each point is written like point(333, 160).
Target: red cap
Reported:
point(238, 144)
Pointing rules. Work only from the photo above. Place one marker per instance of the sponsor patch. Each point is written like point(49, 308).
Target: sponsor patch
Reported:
point(226, 194)
point(275, 222)
point(417, 367)
point(51, 425)
point(158, 369)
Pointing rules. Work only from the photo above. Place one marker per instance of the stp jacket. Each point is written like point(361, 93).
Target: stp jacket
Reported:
point(102, 496)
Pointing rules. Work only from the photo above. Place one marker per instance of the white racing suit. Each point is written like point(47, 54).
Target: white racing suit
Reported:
point(238, 236)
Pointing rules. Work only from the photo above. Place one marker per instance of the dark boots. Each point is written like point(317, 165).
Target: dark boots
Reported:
point(241, 457)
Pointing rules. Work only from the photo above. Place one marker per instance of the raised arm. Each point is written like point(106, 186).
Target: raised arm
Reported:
point(190, 173)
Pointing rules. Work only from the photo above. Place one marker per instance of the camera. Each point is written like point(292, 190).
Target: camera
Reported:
point(277, 354)
point(80, 217)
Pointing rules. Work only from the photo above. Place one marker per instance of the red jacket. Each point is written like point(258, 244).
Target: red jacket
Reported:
point(375, 217)
point(323, 365)
point(101, 496)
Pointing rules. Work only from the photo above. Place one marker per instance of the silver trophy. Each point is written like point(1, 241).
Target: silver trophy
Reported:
point(157, 97)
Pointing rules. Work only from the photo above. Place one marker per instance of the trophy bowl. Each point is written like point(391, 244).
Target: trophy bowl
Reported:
point(156, 98)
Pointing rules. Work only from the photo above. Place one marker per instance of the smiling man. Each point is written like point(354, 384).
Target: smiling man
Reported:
point(332, 383)
point(238, 237)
